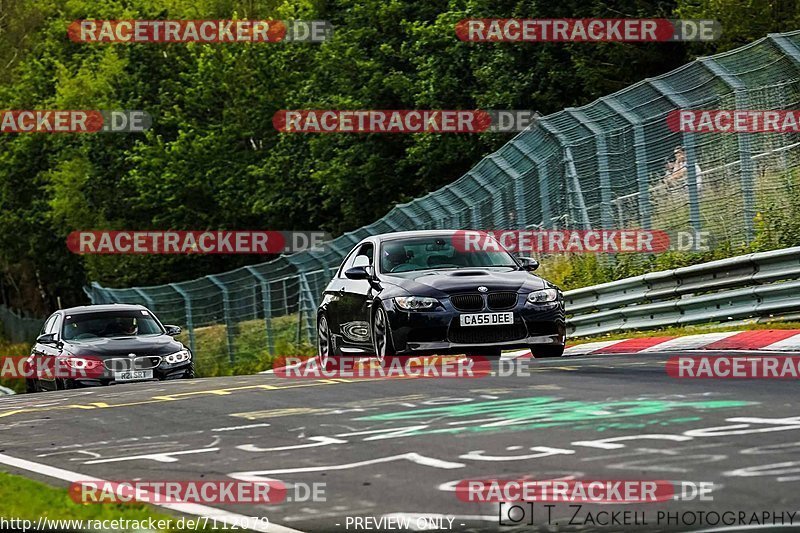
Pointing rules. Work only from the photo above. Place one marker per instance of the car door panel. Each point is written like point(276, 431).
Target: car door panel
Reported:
point(355, 307)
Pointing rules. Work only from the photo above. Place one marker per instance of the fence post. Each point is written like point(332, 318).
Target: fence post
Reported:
point(229, 327)
point(146, 297)
point(680, 102)
point(187, 302)
point(519, 189)
point(266, 297)
point(573, 182)
point(745, 146)
point(640, 153)
point(606, 214)
point(307, 307)
point(544, 197)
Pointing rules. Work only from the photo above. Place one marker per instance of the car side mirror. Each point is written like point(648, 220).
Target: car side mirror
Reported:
point(47, 338)
point(172, 331)
point(529, 263)
point(360, 272)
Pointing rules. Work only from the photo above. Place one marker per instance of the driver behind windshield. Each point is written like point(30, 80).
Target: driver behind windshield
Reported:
point(393, 256)
point(128, 326)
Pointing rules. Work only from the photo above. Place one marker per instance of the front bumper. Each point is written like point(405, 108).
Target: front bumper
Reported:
point(161, 372)
point(440, 330)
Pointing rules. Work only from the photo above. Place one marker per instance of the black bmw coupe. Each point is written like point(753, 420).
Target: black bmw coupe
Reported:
point(418, 292)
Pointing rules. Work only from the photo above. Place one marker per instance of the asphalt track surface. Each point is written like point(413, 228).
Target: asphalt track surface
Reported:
point(397, 447)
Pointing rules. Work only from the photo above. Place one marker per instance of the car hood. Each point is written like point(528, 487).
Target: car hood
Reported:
point(440, 282)
point(124, 346)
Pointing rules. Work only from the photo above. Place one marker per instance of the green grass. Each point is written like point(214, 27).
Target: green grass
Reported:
point(27, 499)
point(250, 344)
point(14, 350)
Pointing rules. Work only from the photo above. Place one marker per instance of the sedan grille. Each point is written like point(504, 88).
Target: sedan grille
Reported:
point(502, 300)
point(467, 302)
point(119, 364)
point(484, 335)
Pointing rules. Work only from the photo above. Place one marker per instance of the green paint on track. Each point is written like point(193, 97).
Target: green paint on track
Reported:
point(537, 412)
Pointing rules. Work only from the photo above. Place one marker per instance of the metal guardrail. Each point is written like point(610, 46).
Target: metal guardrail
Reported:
point(754, 285)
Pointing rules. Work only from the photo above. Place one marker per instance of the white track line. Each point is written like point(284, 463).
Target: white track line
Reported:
point(220, 515)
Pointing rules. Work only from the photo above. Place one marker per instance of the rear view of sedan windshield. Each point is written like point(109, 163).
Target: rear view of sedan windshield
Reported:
point(86, 326)
point(425, 253)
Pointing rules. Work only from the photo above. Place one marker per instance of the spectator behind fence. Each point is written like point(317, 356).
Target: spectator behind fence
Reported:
point(676, 169)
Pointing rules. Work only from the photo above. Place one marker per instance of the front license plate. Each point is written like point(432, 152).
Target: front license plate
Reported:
point(487, 319)
point(133, 375)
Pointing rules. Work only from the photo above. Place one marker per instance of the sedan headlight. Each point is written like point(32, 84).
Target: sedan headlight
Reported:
point(414, 303)
point(80, 363)
point(178, 357)
point(543, 296)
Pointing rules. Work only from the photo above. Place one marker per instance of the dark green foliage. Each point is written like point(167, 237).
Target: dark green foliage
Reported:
point(213, 160)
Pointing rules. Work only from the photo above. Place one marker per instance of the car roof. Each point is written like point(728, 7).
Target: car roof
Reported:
point(416, 233)
point(102, 307)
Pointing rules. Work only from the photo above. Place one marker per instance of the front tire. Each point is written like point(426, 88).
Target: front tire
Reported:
point(324, 343)
point(31, 386)
point(382, 335)
point(547, 350)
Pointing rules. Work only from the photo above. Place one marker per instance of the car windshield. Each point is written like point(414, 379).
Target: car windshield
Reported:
point(132, 323)
point(437, 252)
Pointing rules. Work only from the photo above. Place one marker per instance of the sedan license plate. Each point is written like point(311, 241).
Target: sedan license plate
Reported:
point(487, 319)
point(133, 375)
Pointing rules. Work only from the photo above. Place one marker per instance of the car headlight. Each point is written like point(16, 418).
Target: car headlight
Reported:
point(413, 303)
point(543, 296)
point(80, 363)
point(178, 357)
